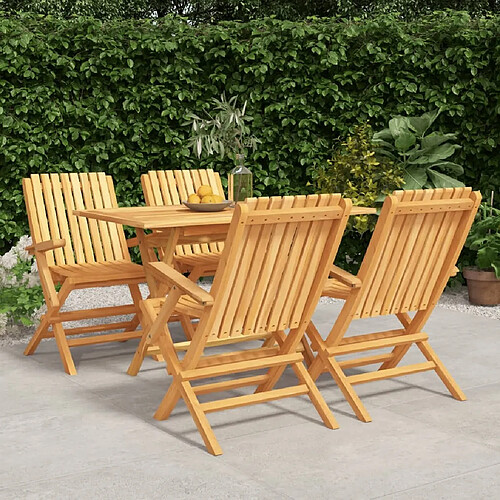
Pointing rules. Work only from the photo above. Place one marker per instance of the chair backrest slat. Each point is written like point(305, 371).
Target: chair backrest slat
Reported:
point(118, 239)
point(69, 250)
point(51, 200)
point(79, 226)
point(413, 249)
point(171, 187)
point(269, 273)
point(39, 216)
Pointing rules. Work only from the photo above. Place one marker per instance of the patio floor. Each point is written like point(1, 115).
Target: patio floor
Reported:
point(93, 435)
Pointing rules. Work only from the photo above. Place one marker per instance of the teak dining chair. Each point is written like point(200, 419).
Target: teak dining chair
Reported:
point(412, 254)
point(171, 187)
point(277, 257)
point(78, 253)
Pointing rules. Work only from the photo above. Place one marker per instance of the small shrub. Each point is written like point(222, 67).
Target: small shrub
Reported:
point(21, 297)
point(357, 173)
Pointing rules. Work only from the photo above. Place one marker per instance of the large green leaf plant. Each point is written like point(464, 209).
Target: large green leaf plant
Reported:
point(424, 157)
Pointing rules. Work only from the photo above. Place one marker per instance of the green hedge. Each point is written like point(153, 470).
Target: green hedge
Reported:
point(84, 95)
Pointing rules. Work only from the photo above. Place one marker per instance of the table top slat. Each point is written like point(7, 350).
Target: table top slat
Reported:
point(164, 217)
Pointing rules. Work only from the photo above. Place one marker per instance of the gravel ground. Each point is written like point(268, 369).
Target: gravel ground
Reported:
point(455, 299)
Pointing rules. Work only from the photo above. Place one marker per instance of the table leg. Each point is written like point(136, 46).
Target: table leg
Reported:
point(156, 288)
point(147, 255)
point(168, 257)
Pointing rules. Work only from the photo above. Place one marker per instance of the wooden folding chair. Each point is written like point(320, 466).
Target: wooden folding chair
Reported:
point(171, 187)
point(78, 253)
point(412, 254)
point(276, 260)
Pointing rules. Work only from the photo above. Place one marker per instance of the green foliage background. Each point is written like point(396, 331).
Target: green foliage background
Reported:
point(214, 11)
point(81, 94)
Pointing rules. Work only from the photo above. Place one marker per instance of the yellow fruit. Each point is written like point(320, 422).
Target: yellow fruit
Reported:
point(210, 199)
point(194, 198)
point(217, 198)
point(204, 191)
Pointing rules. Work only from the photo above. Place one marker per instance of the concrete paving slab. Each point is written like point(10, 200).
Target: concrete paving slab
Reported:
point(482, 483)
point(94, 433)
point(358, 460)
point(471, 419)
point(174, 474)
point(44, 443)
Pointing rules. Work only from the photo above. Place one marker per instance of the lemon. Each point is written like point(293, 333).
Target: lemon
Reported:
point(217, 198)
point(210, 199)
point(204, 191)
point(194, 198)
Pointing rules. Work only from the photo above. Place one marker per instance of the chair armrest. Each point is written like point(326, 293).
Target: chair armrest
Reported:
point(45, 246)
point(132, 242)
point(345, 277)
point(169, 275)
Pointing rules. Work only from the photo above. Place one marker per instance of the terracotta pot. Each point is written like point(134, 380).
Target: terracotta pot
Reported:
point(483, 286)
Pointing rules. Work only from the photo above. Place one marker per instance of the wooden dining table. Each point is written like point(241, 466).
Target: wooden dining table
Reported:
point(172, 225)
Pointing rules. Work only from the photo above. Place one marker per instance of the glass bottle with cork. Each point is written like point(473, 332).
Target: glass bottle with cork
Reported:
point(240, 182)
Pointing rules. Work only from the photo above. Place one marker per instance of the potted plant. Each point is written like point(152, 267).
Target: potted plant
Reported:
point(483, 280)
point(226, 132)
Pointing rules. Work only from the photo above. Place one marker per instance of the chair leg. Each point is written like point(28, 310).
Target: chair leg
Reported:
point(308, 353)
point(134, 323)
point(273, 375)
point(42, 329)
point(315, 396)
point(57, 299)
point(398, 353)
point(200, 419)
point(168, 402)
point(140, 353)
point(187, 326)
point(269, 342)
point(136, 295)
point(441, 370)
point(347, 390)
point(316, 369)
point(62, 345)
point(180, 389)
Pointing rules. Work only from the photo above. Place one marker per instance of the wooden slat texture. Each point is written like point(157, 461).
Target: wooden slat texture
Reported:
point(78, 225)
point(104, 339)
point(391, 372)
point(173, 186)
point(229, 384)
point(275, 267)
point(268, 281)
point(165, 217)
point(62, 218)
point(260, 397)
point(411, 255)
point(83, 253)
point(435, 206)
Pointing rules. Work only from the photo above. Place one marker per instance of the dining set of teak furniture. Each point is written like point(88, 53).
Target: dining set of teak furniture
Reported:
point(271, 259)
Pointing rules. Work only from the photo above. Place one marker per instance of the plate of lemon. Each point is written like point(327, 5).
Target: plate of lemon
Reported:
point(204, 200)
